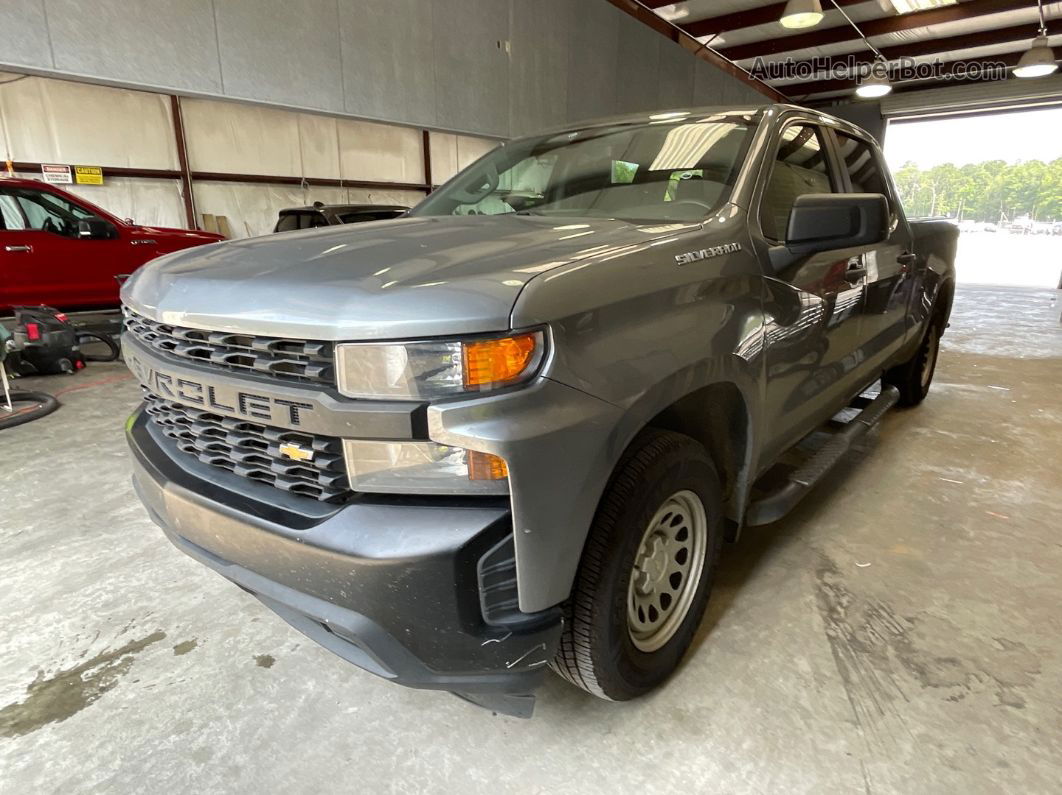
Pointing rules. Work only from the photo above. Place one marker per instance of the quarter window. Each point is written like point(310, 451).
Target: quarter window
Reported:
point(801, 166)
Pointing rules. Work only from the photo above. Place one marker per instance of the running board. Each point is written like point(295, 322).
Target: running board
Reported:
point(775, 506)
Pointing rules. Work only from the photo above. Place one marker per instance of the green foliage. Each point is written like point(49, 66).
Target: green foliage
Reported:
point(988, 191)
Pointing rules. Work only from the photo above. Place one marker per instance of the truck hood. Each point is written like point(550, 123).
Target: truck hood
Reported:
point(411, 277)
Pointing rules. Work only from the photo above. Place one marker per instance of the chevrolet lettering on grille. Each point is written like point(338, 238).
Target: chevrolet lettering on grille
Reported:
point(220, 399)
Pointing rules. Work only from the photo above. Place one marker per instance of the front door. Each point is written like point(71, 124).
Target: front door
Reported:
point(44, 260)
point(813, 305)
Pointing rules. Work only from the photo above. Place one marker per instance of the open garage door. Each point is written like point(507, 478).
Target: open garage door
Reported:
point(995, 173)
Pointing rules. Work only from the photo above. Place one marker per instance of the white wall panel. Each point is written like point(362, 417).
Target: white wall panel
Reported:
point(408, 198)
point(380, 152)
point(152, 202)
point(58, 121)
point(241, 139)
point(251, 209)
point(318, 145)
point(451, 153)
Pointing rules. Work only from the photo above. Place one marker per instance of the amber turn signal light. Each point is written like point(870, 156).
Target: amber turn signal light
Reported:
point(484, 466)
point(499, 361)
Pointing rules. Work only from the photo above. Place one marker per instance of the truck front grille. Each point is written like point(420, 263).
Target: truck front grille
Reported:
point(298, 360)
point(254, 451)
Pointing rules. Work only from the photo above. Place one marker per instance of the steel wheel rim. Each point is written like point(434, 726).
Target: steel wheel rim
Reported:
point(667, 570)
point(932, 346)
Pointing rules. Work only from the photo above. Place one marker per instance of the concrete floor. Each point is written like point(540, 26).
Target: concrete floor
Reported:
point(900, 632)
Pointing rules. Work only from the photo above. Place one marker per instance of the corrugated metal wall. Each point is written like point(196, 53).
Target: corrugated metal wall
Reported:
point(488, 67)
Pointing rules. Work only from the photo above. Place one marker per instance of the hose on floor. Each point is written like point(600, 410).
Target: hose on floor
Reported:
point(92, 338)
point(28, 406)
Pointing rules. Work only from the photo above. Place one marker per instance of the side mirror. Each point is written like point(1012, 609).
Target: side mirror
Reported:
point(826, 221)
point(95, 228)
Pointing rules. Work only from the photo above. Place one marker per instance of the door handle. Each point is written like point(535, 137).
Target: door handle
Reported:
point(146, 241)
point(907, 258)
point(18, 248)
point(854, 273)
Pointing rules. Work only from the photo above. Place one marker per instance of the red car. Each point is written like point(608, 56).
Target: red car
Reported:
point(60, 250)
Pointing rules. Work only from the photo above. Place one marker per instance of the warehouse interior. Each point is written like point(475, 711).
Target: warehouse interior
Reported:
point(896, 630)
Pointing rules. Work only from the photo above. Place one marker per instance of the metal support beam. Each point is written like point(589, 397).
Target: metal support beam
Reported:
point(426, 143)
point(182, 158)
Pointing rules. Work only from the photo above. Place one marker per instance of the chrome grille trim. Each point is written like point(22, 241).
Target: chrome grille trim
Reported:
point(252, 450)
point(289, 359)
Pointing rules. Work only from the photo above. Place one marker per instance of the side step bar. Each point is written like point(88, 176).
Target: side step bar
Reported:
point(775, 506)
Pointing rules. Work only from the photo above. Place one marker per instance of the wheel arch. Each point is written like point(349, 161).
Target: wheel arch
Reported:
point(717, 416)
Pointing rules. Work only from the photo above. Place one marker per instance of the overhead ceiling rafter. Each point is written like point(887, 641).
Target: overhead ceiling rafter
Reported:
point(870, 28)
point(1019, 35)
point(763, 15)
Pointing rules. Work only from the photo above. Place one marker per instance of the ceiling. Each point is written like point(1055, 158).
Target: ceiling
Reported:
point(976, 32)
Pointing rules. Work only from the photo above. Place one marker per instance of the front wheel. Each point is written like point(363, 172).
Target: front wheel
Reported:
point(914, 376)
point(646, 570)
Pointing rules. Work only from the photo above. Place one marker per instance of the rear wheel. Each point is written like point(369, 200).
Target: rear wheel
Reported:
point(914, 376)
point(646, 571)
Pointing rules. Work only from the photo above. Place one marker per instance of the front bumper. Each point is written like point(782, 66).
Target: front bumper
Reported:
point(398, 586)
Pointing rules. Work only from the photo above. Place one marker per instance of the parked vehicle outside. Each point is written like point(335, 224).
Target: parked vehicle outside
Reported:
point(318, 214)
point(58, 249)
point(511, 431)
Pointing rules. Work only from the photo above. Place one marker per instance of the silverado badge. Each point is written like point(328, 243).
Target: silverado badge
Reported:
point(295, 452)
point(707, 253)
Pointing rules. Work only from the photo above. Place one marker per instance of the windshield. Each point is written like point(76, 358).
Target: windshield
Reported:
point(650, 172)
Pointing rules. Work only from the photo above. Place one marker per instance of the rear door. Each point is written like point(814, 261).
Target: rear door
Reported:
point(48, 262)
point(889, 265)
point(812, 304)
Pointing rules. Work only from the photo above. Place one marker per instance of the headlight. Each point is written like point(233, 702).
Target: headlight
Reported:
point(423, 468)
point(436, 369)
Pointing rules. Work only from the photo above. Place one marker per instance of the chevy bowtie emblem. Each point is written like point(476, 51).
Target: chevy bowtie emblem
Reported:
point(295, 452)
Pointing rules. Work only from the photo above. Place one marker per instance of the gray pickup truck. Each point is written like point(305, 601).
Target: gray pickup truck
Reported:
point(511, 431)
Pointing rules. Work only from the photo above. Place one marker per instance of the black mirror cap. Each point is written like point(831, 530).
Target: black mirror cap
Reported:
point(827, 221)
point(96, 228)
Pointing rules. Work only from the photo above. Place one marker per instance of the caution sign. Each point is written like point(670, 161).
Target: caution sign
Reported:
point(88, 175)
point(56, 174)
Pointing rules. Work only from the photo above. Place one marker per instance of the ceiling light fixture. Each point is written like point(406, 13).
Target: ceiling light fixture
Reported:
point(1039, 59)
point(874, 86)
point(909, 6)
point(801, 14)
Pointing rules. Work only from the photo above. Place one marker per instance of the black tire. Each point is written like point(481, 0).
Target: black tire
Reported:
point(597, 650)
point(914, 377)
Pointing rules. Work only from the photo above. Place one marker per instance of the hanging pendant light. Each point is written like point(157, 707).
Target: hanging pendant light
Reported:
point(801, 14)
point(1038, 60)
point(876, 83)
